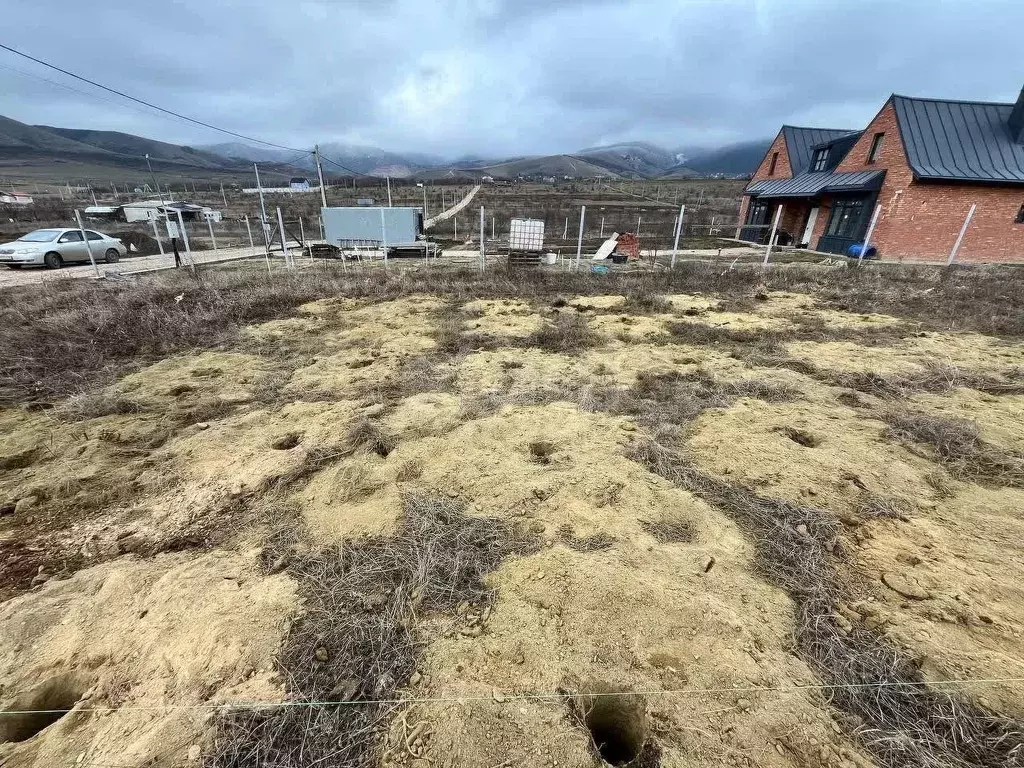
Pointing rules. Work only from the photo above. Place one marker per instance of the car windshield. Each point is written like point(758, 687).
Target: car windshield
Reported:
point(40, 236)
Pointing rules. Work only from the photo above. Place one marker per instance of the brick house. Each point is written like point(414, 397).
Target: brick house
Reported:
point(925, 162)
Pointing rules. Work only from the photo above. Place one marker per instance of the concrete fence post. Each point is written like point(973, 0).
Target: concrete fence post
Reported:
point(867, 237)
point(771, 237)
point(960, 237)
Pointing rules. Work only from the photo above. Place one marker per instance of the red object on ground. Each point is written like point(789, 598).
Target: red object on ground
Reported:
point(629, 245)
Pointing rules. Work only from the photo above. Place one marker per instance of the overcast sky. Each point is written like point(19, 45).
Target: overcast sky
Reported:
point(498, 77)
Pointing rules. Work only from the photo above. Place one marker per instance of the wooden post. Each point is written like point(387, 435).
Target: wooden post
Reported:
point(960, 237)
point(771, 237)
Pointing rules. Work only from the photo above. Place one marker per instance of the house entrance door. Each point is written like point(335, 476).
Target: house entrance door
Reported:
point(812, 219)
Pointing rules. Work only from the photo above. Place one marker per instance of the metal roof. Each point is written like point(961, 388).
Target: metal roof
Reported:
point(813, 184)
point(959, 140)
point(801, 141)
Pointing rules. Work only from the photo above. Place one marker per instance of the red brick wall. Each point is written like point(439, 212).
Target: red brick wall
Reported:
point(921, 220)
point(783, 170)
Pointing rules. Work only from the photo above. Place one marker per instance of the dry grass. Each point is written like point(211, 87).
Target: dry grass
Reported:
point(365, 434)
point(357, 639)
point(670, 529)
point(593, 543)
point(568, 334)
point(956, 443)
point(900, 720)
point(65, 336)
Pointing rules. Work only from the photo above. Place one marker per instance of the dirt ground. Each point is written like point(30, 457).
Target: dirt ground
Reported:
point(138, 524)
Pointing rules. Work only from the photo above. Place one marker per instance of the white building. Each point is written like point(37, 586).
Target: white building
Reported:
point(145, 210)
point(299, 184)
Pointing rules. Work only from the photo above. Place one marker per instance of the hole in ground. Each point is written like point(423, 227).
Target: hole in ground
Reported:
point(286, 442)
point(41, 707)
point(805, 439)
point(617, 724)
point(541, 451)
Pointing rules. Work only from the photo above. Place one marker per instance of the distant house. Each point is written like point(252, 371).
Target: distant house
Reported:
point(299, 184)
point(104, 212)
point(16, 198)
point(152, 210)
point(923, 162)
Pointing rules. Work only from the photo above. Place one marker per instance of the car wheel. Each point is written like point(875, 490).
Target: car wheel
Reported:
point(53, 260)
point(112, 256)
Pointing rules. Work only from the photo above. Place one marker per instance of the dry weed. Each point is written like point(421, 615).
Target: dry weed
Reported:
point(357, 640)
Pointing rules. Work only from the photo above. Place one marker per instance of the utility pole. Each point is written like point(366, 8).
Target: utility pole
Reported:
point(320, 174)
point(222, 195)
point(153, 177)
point(389, 190)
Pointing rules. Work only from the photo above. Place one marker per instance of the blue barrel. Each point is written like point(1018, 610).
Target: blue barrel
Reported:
point(854, 251)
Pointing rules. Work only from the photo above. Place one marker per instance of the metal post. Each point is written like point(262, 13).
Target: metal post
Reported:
point(222, 195)
point(602, 227)
point(320, 174)
point(579, 239)
point(91, 192)
point(152, 176)
point(963, 231)
point(112, 187)
point(81, 228)
point(388, 178)
point(679, 229)
point(156, 235)
point(483, 237)
point(771, 238)
point(302, 234)
point(424, 185)
point(384, 236)
point(867, 237)
point(284, 240)
point(456, 220)
point(320, 220)
point(209, 223)
point(249, 230)
point(492, 227)
point(565, 233)
point(638, 220)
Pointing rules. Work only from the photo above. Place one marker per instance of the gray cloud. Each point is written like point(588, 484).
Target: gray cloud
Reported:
point(503, 76)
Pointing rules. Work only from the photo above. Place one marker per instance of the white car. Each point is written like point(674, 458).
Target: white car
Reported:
point(55, 247)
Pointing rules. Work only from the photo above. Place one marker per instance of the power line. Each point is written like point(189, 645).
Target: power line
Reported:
point(143, 102)
point(345, 167)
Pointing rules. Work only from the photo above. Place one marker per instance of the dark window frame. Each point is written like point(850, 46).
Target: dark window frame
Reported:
point(1020, 215)
point(771, 166)
point(844, 217)
point(876, 147)
point(757, 213)
point(820, 160)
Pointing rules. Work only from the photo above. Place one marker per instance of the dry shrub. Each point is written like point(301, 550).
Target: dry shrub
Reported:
point(645, 301)
point(410, 469)
point(873, 506)
point(677, 398)
point(94, 405)
point(357, 639)
point(568, 333)
point(901, 721)
point(593, 543)
point(369, 435)
point(670, 529)
point(958, 445)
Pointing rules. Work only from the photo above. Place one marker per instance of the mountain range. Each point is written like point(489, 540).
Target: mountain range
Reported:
point(38, 149)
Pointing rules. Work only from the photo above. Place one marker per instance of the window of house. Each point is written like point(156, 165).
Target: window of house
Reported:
point(820, 160)
point(775, 159)
point(758, 213)
point(1020, 216)
point(876, 147)
point(845, 218)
